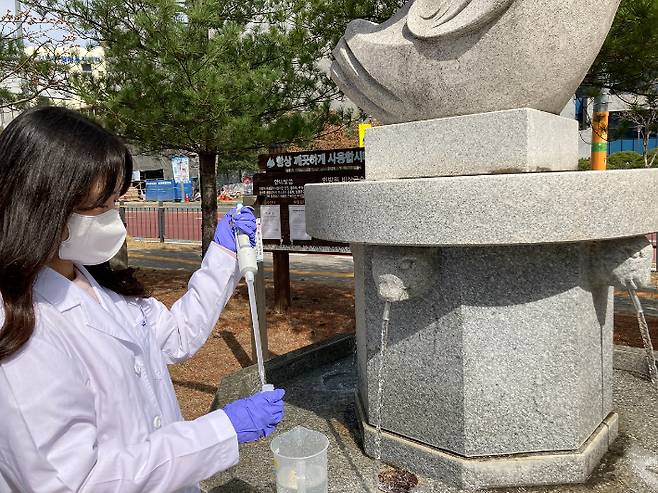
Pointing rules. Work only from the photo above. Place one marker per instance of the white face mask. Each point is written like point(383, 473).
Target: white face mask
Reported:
point(93, 239)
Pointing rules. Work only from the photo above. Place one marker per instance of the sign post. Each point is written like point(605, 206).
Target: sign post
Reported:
point(281, 274)
point(280, 190)
point(180, 167)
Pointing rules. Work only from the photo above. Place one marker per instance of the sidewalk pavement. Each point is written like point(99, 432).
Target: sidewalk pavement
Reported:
point(303, 267)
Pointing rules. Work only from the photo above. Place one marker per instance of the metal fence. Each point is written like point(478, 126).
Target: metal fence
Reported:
point(164, 222)
point(170, 222)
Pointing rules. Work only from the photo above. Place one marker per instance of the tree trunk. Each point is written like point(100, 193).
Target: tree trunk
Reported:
point(645, 148)
point(653, 158)
point(208, 179)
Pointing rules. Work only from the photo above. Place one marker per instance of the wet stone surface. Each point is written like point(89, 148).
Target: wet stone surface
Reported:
point(631, 465)
point(340, 381)
point(395, 480)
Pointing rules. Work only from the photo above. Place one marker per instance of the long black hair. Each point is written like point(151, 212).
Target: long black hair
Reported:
point(51, 159)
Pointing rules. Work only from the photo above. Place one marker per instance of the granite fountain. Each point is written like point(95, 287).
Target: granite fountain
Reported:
point(498, 257)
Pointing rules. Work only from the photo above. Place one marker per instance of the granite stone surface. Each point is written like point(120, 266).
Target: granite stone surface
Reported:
point(400, 277)
point(322, 399)
point(438, 58)
point(622, 263)
point(632, 360)
point(565, 467)
point(490, 362)
point(520, 140)
point(604, 303)
point(524, 208)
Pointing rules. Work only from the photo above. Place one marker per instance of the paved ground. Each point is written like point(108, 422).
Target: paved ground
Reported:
point(303, 267)
point(323, 400)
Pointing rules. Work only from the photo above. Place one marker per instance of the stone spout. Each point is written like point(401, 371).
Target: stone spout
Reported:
point(622, 263)
point(440, 58)
point(403, 277)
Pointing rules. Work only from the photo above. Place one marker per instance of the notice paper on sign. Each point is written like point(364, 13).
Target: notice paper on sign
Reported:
point(297, 220)
point(259, 240)
point(270, 217)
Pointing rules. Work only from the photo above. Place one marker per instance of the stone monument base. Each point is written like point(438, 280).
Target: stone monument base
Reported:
point(510, 141)
point(568, 467)
point(497, 368)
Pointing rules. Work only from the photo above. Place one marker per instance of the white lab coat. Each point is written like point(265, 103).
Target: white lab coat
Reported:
point(88, 404)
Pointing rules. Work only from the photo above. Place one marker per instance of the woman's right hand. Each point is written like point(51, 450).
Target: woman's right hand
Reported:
point(257, 416)
point(243, 221)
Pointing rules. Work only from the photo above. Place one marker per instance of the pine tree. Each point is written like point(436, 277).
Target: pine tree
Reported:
point(220, 78)
point(628, 61)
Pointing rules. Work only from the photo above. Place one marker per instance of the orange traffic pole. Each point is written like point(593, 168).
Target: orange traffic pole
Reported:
point(600, 132)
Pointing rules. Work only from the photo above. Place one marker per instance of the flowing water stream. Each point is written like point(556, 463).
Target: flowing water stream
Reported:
point(380, 392)
point(387, 479)
point(380, 379)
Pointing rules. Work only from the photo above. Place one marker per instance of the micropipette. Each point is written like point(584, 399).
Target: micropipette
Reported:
point(248, 268)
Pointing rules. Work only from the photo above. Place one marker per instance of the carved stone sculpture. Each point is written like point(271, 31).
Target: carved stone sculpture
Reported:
point(439, 58)
point(622, 263)
point(400, 278)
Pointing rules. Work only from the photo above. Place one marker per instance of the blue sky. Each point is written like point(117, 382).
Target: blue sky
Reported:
point(6, 5)
point(10, 4)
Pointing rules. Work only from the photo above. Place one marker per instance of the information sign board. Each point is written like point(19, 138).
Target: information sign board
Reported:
point(290, 162)
point(280, 190)
point(276, 188)
point(180, 167)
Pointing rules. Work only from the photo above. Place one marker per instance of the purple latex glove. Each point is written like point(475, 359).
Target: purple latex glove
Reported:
point(257, 416)
point(244, 221)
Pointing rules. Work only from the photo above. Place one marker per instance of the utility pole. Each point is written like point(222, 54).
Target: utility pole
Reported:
point(600, 131)
point(18, 16)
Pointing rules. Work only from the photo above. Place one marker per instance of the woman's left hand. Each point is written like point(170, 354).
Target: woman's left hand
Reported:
point(256, 416)
point(243, 221)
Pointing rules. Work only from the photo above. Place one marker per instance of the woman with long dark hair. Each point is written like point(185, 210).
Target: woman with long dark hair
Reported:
point(86, 400)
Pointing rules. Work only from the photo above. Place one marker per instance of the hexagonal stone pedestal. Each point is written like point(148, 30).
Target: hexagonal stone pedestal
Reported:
point(499, 368)
point(507, 356)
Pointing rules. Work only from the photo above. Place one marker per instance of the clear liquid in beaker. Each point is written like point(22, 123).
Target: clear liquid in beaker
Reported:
point(287, 480)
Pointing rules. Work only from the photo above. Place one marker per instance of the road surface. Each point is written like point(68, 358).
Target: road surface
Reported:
point(303, 267)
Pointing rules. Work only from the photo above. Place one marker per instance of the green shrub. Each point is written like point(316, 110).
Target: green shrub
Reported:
point(621, 160)
point(625, 160)
point(584, 164)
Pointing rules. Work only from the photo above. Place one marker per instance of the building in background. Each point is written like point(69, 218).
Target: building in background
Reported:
point(79, 59)
point(158, 166)
point(75, 59)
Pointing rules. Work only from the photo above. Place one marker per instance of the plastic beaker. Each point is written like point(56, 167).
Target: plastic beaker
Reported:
point(300, 460)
